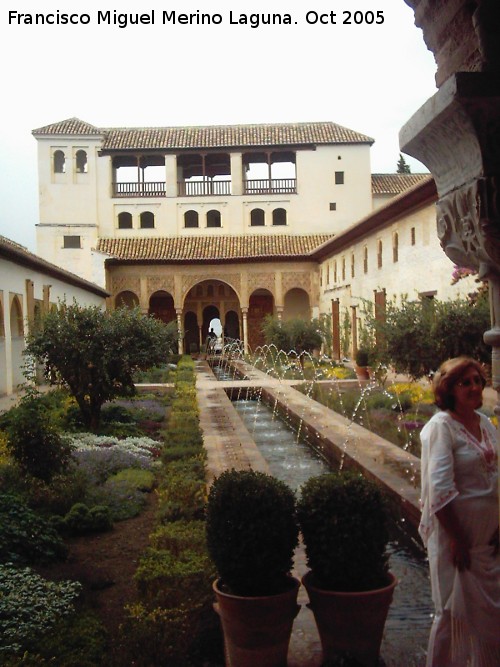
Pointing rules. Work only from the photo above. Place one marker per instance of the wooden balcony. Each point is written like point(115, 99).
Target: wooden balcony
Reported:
point(203, 188)
point(149, 189)
point(273, 186)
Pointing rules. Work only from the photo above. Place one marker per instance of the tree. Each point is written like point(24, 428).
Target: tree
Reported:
point(96, 353)
point(296, 335)
point(403, 166)
point(417, 336)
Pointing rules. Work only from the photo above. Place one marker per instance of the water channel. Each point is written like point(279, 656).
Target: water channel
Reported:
point(293, 461)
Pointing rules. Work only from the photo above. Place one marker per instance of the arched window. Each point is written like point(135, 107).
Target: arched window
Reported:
point(81, 162)
point(191, 219)
point(59, 162)
point(279, 216)
point(147, 220)
point(257, 217)
point(124, 220)
point(395, 247)
point(213, 218)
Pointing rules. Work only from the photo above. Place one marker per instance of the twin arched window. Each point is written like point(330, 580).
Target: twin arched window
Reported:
point(146, 220)
point(258, 217)
point(81, 162)
point(192, 219)
point(59, 162)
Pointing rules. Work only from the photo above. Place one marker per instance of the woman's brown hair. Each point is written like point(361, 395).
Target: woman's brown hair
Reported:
point(450, 372)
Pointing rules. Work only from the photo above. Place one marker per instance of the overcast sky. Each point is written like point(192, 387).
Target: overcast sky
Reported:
point(370, 76)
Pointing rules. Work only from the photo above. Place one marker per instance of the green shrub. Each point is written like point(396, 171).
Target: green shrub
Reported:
point(180, 536)
point(142, 480)
point(32, 440)
point(82, 519)
point(30, 606)
point(343, 519)
point(26, 537)
point(121, 496)
point(181, 497)
point(251, 531)
point(168, 580)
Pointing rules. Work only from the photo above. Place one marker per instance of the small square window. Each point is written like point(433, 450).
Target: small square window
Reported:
point(333, 206)
point(339, 178)
point(72, 242)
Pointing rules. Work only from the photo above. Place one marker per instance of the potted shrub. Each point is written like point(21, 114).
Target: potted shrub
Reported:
point(343, 519)
point(251, 533)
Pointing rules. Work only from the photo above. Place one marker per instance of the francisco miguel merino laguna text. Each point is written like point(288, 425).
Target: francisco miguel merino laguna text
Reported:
point(123, 20)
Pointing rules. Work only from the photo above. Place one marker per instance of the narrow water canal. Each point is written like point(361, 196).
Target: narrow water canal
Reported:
point(293, 462)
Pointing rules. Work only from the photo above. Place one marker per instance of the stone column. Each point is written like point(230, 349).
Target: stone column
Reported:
point(179, 329)
point(244, 313)
point(456, 134)
point(236, 173)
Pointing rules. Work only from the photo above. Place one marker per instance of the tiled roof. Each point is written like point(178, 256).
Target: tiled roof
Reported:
point(394, 184)
point(212, 136)
point(212, 248)
point(18, 254)
point(71, 126)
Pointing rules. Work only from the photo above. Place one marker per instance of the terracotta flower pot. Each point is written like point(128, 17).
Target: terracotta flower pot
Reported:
point(257, 630)
point(351, 623)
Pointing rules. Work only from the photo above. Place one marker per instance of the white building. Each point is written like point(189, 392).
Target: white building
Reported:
point(235, 222)
point(30, 286)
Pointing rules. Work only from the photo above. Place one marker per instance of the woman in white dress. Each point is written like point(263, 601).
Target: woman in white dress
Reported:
point(459, 524)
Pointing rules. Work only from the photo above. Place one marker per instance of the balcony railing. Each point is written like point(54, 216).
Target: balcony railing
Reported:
point(203, 188)
point(273, 186)
point(149, 189)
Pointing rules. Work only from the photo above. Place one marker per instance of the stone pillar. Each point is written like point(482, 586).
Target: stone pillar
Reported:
point(46, 298)
point(279, 312)
point(456, 134)
point(236, 174)
point(354, 330)
point(336, 329)
point(244, 314)
point(179, 329)
point(171, 175)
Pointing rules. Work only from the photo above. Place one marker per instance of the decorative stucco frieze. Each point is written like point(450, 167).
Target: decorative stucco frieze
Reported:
point(468, 225)
point(125, 284)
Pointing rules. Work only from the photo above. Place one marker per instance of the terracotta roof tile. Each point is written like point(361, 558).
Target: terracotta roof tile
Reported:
point(394, 184)
point(212, 248)
point(70, 126)
point(214, 136)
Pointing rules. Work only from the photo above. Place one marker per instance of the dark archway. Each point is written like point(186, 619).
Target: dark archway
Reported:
point(232, 326)
point(161, 306)
point(209, 313)
point(191, 333)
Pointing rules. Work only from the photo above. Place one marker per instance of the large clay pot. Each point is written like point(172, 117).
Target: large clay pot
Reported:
point(351, 623)
point(257, 630)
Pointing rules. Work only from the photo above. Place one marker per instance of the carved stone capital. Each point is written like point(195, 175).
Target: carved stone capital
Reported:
point(468, 226)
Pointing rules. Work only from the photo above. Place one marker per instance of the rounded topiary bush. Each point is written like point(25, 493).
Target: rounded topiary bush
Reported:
point(251, 531)
point(343, 519)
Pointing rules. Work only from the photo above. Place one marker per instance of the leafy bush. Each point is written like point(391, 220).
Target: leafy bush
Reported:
point(343, 519)
point(32, 440)
point(120, 496)
point(30, 606)
point(142, 480)
point(81, 520)
point(26, 537)
point(251, 531)
point(180, 497)
point(180, 536)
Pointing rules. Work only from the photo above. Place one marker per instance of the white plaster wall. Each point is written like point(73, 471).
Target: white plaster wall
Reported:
point(13, 278)
point(420, 268)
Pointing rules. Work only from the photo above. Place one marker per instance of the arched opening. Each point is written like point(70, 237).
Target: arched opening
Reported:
point(210, 313)
point(191, 333)
point(213, 218)
point(124, 220)
point(232, 326)
point(297, 304)
point(279, 216)
point(59, 162)
point(147, 220)
point(126, 299)
point(16, 318)
point(191, 219)
point(257, 217)
point(161, 306)
point(81, 162)
point(261, 304)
